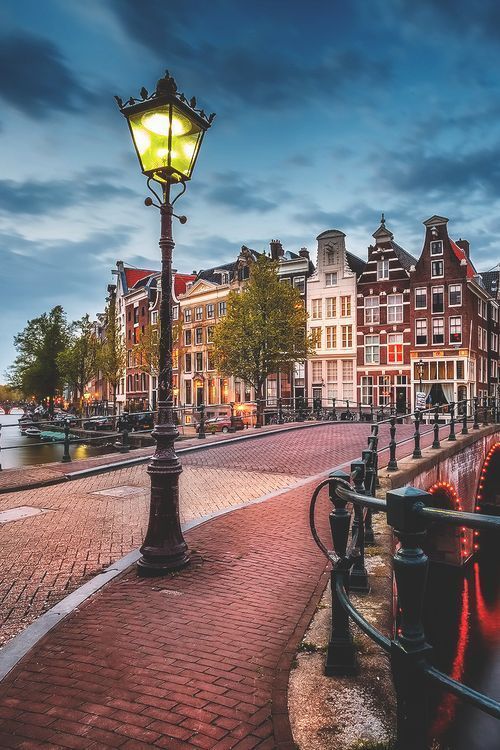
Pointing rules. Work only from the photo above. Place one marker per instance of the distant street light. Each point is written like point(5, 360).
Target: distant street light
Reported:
point(167, 132)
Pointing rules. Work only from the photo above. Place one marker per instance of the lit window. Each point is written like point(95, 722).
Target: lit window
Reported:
point(437, 269)
point(437, 247)
point(395, 308)
point(421, 332)
point(331, 279)
point(372, 310)
point(421, 298)
point(395, 348)
point(438, 331)
point(382, 269)
point(456, 330)
point(372, 350)
point(455, 295)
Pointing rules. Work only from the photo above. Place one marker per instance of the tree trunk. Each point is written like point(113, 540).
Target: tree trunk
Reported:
point(260, 406)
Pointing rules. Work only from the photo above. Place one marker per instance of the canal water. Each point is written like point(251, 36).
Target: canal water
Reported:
point(19, 450)
point(462, 623)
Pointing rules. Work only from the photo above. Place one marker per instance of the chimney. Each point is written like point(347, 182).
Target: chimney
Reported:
point(465, 245)
point(276, 249)
point(304, 252)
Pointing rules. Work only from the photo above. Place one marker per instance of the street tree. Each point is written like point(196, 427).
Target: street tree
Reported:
point(112, 353)
point(78, 362)
point(36, 370)
point(263, 331)
point(147, 350)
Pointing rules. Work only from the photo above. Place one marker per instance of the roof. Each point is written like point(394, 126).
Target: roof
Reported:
point(356, 265)
point(133, 275)
point(491, 281)
point(180, 282)
point(212, 275)
point(461, 255)
point(404, 258)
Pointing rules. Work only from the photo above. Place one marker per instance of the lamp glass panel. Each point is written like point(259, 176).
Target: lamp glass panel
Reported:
point(185, 144)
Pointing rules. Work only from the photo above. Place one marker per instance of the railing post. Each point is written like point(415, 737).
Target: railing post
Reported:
point(358, 579)
point(435, 442)
point(280, 411)
point(368, 459)
point(334, 411)
point(393, 464)
point(465, 429)
point(371, 412)
point(341, 655)
point(360, 412)
point(452, 435)
point(373, 445)
point(475, 426)
point(485, 411)
point(409, 648)
point(348, 412)
point(417, 453)
point(201, 430)
point(66, 458)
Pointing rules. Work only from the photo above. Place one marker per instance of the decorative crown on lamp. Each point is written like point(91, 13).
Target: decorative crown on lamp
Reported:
point(167, 131)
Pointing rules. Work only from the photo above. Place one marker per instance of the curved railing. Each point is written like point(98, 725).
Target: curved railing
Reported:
point(409, 514)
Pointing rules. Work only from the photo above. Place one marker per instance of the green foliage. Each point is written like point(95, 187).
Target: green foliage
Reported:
point(78, 362)
point(147, 350)
point(111, 353)
point(264, 329)
point(9, 394)
point(36, 370)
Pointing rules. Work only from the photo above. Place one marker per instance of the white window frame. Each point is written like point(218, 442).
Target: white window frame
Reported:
point(329, 278)
point(451, 323)
point(316, 308)
point(331, 307)
point(383, 269)
point(435, 324)
point(417, 321)
point(372, 346)
point(395, 308)
point(437, 275)
point(331, 337)
point(456, 287)
point(437, 312)
point(372, 311)
point(395, 339)
point(424, 290)
point(436, 245)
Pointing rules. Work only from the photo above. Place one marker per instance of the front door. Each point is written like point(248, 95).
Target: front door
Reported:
point(401, 400)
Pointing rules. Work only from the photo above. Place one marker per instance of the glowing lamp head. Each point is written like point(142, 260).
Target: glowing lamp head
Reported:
point(167, 131)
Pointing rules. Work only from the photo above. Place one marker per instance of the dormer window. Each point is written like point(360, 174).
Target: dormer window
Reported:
point(382, 269)
point(437, 247)
point(331, 256)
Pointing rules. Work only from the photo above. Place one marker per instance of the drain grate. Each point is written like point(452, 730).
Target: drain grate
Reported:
point(17, 514)
point(123, 491)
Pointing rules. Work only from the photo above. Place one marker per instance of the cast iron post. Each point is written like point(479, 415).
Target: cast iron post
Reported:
point(475, 426)
point(409, 648)
point(201, 429)
point(393, 464)
point(66, 456)
point(341, 655)
point(417, 453)
point(435, 442)
point(369, 458)
point(334, 411)
point(280, 411)
point(164, 548)
point(452, 435)
point(371, 411)
point(485, 411)
point(358, 580)
point(465, 429)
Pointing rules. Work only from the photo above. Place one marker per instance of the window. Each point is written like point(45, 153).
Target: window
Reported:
point(395, 308)
point(384, 390)
point(331, 279)
point(331, 379)
point(188, 338)
point(372, 310)
point(372, 350)
point(300, 283)
point(210, 334)
point(421, 332)
point(136, 315)
point(494, 342)
point(187, 315)
point(154, 318)
point(437, 247)
point(286, 280)
point(420, 298)
point(222, 308)
point(395, 348)
point(129, 358)
point(331, 256)
point(316, 308)
point(438, 331)
point(331, 337)
point(175, 313)
point(331, 307)
point(346, 337)
point(210, 361)
point(455, 295)
point(189, 392)
point(198, 335)
point(347, 378)
point(437, 299)
point(456, 330)
point(345, 306)
point(382, 269)
point(317, 372)
point(437, 268)
point(460, 369)
point(199, 361)
point(187, 362)
point(209, 310)
point(367, 389)
point(316, 337)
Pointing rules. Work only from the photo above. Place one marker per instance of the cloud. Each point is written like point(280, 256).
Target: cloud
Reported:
point(453, 14)
point(34, 77)
point(233, 191)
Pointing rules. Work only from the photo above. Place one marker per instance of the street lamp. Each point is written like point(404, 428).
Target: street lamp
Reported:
point(167, 132)
point(420, 365)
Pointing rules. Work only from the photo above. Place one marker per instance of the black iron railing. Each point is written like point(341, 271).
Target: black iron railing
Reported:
point(409, 514)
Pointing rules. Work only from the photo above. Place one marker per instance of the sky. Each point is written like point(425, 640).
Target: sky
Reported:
point(328, 113)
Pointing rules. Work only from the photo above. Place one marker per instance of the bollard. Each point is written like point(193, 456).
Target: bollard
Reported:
point(280, 411)
point(369, 458)
point(452, 435)
point(436, 443)
point(124, 445)
point(485, 411)
point(417, 453)
point(475, 426)
point(201, 429)
point(341, 655)
point(465, 429)
point(66, 456)
point(358, 579)
point(393, 464)
point(409, 647)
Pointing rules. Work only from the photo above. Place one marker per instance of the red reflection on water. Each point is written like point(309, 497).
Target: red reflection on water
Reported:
point(488, 617)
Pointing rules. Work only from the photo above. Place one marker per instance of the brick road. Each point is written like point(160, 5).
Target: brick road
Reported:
point(190, 660)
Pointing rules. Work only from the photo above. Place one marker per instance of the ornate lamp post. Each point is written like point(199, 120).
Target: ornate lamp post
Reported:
point(420, 365)
point(167, 132)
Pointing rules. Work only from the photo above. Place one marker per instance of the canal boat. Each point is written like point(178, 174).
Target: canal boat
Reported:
point(32, 431)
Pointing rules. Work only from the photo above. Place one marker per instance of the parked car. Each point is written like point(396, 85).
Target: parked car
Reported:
point(98, 423)
point(142, 420)
point(221, 424)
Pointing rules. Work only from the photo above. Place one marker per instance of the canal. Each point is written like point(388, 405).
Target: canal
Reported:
point(19, 450)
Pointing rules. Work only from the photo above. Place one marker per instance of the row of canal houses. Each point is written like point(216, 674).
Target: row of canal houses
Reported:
point(383, 329)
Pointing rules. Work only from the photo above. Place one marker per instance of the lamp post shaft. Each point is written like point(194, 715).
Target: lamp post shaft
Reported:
point(164, 548)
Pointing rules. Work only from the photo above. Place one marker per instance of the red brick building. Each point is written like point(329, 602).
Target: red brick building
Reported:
point(383, 324)
point(449, 320)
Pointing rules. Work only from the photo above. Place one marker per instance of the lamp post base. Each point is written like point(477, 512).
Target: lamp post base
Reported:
point(149, 567)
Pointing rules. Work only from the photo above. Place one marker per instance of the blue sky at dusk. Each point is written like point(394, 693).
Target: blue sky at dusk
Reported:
point(328, 113)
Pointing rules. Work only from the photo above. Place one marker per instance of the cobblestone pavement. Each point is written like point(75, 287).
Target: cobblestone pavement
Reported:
point(81, 531)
